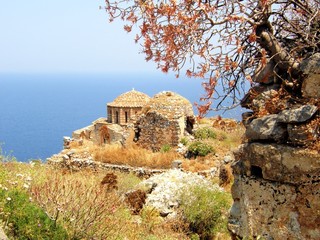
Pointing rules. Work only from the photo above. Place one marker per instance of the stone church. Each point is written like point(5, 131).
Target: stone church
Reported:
point(149, 122)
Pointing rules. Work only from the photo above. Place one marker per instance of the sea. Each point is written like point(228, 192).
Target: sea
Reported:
point(38, 110)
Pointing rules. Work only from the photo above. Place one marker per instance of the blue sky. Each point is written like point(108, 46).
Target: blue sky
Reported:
point(65, 36)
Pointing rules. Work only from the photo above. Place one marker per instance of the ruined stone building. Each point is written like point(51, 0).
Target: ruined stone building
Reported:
point(165, 119)
point(150, 122)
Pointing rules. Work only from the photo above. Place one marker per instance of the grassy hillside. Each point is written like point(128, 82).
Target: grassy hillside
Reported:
point(38, 201)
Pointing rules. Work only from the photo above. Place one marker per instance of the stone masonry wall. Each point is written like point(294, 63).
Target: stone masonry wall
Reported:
point(154, 130)
point(276, 188)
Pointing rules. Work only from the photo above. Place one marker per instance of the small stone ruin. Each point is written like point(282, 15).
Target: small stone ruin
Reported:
point(164, 120)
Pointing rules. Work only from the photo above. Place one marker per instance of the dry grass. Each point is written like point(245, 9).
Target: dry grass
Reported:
point(87, 209)
point(112, 217)
point(224, 143)
point(133, 156)
point(198, 164)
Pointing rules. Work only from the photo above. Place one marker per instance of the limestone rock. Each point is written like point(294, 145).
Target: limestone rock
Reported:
point(165, 189)
point(274, 210)
point(266, 128)
point(311, 84)
point(276, 162)
point(297, 115)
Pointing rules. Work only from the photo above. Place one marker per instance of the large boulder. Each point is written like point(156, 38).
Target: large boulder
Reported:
point(297, 115)
point(266, 128)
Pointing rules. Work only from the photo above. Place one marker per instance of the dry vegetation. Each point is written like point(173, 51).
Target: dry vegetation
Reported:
point(227, 139)
point(133, 156)
point(79, 203)
point(90, 204)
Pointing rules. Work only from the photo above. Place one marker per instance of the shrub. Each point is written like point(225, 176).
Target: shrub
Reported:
point(205, 133)
point(25, 220)
point(165, 148)
point(184, 141)
point(200, 149)
point(206, 209)
point(85, 209)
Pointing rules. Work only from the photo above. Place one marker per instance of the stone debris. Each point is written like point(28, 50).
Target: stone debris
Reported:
point(164, 190)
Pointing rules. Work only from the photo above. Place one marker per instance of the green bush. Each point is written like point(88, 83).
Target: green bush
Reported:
point(206, 210)
point(200, 149)
point(25, 220)
point(165, 148)
point(205, 133)
point(184, 141)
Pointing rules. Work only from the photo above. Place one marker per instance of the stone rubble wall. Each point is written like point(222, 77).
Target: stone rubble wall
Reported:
point(155, 130)
point(276, 188)
point(75, 162)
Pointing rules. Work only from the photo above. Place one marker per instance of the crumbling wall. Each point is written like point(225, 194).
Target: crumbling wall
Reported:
point(276, 188)
point(154, 130)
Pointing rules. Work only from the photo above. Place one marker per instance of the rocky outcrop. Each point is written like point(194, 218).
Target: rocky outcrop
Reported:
point(164, 190)
point(276, 188)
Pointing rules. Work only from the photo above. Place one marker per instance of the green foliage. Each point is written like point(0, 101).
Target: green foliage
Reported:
point(184, 141)
point(200, 149)
point(25, 220)
point(205, 133)
point(205, 210)
point(165, 148)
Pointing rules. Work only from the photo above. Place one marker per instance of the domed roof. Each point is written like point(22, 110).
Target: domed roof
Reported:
point(169, 104)
point(132, 98)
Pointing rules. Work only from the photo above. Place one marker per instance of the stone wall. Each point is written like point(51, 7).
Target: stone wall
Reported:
point(154, 130)
point(276, 188)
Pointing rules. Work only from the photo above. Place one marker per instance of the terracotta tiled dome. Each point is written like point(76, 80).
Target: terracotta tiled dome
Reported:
point(132, 98)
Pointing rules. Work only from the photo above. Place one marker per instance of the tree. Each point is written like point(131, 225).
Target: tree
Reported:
point(226, 42)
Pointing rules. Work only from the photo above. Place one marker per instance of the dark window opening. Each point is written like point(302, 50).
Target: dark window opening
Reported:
point(189, 124)
point(117, 117)
point(110, 116)
point(126, 116)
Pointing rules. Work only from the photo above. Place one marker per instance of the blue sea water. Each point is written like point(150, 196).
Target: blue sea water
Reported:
point(37, 110)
